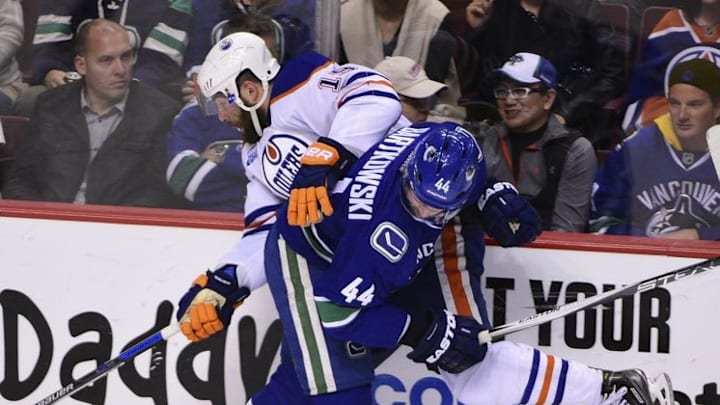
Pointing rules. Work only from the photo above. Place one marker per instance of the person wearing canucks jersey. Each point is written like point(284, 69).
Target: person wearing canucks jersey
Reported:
point(332, 281)
point(661, 182)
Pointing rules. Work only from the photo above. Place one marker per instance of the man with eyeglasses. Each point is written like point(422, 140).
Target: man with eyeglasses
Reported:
point(549, 163)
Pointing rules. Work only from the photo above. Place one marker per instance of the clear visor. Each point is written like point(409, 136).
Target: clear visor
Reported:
point(211, 105)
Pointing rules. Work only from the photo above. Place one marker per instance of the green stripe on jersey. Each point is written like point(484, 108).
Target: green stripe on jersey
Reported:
point(184, 173)
point(183, 6)
point(333, 313)
point(307, 334)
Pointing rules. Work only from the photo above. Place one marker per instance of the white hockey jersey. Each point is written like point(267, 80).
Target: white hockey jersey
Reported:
point(311, 97)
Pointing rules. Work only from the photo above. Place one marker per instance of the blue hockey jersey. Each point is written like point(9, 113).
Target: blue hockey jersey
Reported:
point(649, 186)
point(370, 247)
point(207, 185)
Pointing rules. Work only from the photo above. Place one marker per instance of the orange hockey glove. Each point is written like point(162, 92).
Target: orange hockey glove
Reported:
point(206, 308)
point(323, 163)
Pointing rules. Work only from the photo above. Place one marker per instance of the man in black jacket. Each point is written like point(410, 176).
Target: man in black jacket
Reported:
point(575, 36)
point(100, 140)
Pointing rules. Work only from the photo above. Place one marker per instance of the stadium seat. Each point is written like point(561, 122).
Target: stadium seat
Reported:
point(619, 17)
point(14, 129)
point(650, 17)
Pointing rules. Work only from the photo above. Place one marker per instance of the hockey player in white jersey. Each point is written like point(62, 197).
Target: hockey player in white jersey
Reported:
point(309, 97)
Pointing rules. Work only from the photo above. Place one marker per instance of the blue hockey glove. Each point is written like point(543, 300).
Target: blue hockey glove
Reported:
point(449, 342)
point(207, 306)
point(507, 217)
point(321, 165)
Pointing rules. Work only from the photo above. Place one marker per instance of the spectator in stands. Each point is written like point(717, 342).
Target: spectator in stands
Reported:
point(574, 35)
point(551, 164)
point(688, 31)
point(210, 17)
point(418, 29)
point(418, 94)
point(99, 140)
point(661, 182)
point(12, 35)
point(158, 33)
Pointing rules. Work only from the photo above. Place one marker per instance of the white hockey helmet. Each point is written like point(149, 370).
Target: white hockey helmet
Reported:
point(231, 56)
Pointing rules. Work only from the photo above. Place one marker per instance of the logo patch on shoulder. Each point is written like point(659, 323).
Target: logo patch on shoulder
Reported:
point(355, 350)
point(281, 162)
point(252, 155)
point(390, 241)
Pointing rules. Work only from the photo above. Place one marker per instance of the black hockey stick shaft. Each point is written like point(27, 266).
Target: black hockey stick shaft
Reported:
point(111, 364)
point(604, 298)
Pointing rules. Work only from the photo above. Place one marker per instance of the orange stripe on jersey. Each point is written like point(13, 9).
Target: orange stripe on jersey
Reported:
point(704, 34)
point(547, 380)
point(380, 82)
point(652, 108)
point(452, 270)
point(297, 86)
point(672, 19)
point(257, 224)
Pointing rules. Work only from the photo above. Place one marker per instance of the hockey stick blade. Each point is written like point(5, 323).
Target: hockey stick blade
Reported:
point(713, 140)
point(111, 364)
point(493, 334)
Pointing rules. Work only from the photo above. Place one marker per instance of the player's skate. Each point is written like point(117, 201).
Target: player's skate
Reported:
point(633, 387)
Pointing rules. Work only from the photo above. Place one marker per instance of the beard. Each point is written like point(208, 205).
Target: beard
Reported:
point(250, 135)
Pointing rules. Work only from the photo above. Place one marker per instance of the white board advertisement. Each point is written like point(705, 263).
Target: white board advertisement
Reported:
point(75, 292)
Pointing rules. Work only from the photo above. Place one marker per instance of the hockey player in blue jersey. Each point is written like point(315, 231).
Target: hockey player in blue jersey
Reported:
point(332, 281)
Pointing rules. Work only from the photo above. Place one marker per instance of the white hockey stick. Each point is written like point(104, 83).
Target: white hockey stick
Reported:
point(493, 334)
point(713, 140)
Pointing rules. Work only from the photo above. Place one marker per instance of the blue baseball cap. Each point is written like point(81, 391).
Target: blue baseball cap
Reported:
point(527, 68)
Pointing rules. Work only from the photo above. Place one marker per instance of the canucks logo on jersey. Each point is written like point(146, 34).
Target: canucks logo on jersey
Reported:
point(680, 216)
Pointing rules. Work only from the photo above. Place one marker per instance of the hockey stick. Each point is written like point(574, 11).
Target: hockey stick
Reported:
point(493, 334)
point(713, 140)
point(111, 364)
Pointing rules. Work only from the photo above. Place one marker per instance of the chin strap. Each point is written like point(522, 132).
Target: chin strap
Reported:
point(253, 109)
point(256, 123)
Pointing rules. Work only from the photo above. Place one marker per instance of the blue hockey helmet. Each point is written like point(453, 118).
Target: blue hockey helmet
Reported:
point(444, 166)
